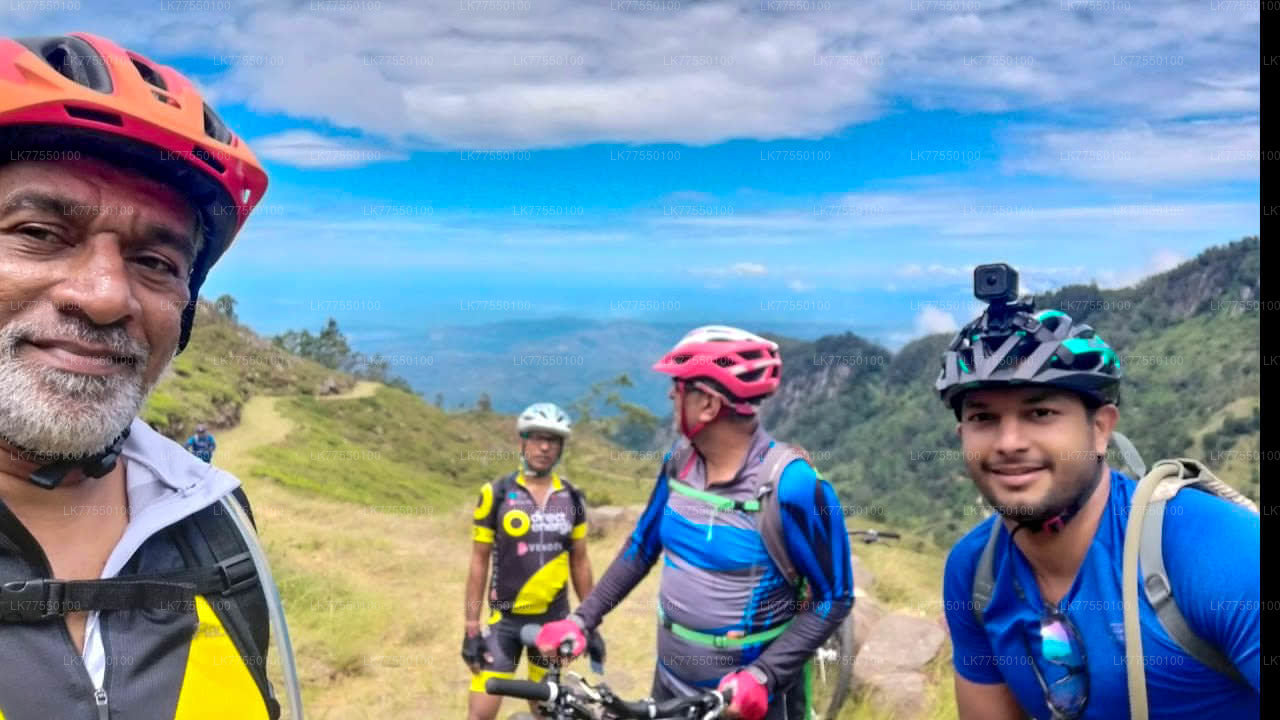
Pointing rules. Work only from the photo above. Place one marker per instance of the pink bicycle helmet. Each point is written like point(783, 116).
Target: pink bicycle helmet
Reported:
point(743, 368)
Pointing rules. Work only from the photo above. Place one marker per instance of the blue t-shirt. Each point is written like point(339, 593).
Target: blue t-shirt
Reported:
point(1211, 553)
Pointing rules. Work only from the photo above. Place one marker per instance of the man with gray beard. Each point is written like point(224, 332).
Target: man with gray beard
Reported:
point(130, 587)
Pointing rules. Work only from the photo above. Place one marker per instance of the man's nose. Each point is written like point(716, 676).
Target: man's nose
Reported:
point(98, 284)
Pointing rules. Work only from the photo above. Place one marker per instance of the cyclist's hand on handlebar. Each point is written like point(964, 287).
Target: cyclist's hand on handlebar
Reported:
point(553, 634)
point(749, 699)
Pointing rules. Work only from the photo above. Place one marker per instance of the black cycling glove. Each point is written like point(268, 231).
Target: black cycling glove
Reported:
point(473, 650)
point(595, 651)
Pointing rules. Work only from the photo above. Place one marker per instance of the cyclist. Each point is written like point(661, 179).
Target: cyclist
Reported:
point(202, 444)
point(728, 616)
point(1035, 413)
point(532, 525)
point(119, 189)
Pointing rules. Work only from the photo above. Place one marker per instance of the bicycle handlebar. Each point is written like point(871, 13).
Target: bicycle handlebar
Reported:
point(873, 535)
point(617, 707)
point(578, 702)
point(523, 689)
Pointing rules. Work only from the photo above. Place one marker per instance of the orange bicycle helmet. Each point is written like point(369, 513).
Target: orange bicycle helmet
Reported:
point(85, 93)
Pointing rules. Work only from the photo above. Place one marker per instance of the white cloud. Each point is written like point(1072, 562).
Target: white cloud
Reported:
point(310, 150)
point(931, 320)
point(445, 73)
point(740, 269)
point(1144, 153)
point(1162, 260)
point(800, 286)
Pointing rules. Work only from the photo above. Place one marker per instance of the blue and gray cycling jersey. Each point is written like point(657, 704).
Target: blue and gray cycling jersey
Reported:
point(718, 578)
point(202, 447)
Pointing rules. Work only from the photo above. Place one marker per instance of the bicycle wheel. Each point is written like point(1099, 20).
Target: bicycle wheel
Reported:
point(831, 671)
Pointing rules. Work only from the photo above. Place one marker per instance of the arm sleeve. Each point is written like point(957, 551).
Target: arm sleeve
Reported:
point(971, 652)
point(818, 544)
point(634, 560)
point(485, 517)
point(1219, 597)
point(213, 444)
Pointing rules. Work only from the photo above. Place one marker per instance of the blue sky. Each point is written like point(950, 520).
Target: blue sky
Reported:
point(724, 158)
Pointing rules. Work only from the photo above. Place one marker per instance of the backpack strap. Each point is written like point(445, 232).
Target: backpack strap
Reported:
point(1144, 543)
point(776, 461)
point(1159, 592)
point(210, 538)
point(984, 577)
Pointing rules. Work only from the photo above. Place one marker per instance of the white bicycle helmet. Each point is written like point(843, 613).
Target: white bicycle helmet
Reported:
point(546, 417)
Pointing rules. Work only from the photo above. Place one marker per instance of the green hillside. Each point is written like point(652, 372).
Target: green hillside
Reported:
point(1189, 340)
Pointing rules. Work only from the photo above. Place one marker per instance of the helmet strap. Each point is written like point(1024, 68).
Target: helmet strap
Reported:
point(685, 430)
point(51, 475)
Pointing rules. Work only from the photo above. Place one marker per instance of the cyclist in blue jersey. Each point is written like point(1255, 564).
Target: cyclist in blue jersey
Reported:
point(1035, 396)
point(202, 444)
point(742, 523)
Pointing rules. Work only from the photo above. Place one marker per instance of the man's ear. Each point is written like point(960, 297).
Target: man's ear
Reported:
point(1104, 422)
point(711, 410)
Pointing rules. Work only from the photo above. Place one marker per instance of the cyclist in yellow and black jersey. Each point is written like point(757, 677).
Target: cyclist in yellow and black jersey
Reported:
point(531, 525)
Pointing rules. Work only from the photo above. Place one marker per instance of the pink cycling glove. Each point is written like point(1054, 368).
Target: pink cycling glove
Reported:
point(750, 698)
point(554, 633)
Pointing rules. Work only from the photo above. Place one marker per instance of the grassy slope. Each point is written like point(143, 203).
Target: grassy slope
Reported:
point(223, 367)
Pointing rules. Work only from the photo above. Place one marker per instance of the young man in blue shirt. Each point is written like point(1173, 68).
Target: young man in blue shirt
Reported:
point(1035, 395)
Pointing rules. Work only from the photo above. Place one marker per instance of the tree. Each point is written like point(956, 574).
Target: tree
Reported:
point(226, 305)
point(632, 426)
point(330, 349)
point(440, 400)
point(483, 404)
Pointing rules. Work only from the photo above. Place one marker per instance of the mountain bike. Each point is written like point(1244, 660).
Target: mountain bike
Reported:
point(832, 665)
point(582, 700)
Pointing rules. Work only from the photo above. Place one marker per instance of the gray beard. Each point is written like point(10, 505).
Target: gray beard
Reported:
point(58, 415)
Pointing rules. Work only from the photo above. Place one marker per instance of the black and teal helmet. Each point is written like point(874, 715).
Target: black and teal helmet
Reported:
point(1030, 348)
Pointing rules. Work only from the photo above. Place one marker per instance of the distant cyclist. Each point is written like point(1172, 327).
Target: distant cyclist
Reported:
point(532, 526)
point(743, 524)
point(202, 444)
point(1035, 398)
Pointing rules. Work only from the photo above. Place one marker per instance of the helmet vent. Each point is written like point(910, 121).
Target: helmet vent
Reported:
point(724, 362)
point(95, 115)
point(214, 127)
point(149, 74)
point(166, 99)
point(751, 354)
point(681, 359)
point(74, 59)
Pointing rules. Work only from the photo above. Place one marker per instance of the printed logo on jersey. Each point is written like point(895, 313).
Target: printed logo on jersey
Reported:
point(515, 522)
point(525, 548)
point(557, 522)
